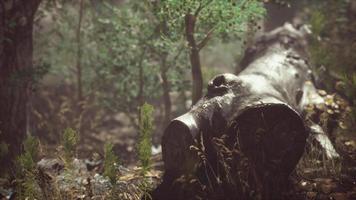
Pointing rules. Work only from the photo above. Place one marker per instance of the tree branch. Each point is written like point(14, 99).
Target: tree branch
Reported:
point(206, 39)
point(200, 8)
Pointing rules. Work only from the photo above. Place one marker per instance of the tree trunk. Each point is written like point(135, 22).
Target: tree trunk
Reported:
point(16, 25)
point(261, 108)
point(197, 76)
point(79, 54)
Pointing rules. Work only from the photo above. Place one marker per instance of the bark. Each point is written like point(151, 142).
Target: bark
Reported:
point(16, 25)
point(197, 91)
point(262, 108)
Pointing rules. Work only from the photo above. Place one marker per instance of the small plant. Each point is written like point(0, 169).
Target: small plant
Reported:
point(69, 142)
point(110, 163)
point(145, 144)
point(26, 171)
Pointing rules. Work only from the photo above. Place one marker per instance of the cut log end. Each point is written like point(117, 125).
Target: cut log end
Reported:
point(273, 136)
point(178, 157)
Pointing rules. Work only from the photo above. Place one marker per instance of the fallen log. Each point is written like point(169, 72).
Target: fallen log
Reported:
point(262, 108)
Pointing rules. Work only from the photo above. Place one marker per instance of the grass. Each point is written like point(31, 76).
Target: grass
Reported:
point(315, 164)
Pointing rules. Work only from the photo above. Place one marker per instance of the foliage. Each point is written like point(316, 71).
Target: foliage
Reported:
point(199, 20)
point(111, 162)
point(69, 142)
point(131, 57)
point(145, 143)
point(57, 46)
point(332, 47)
point(26, 171)
point(53, 105)
point(127, 49)
point(220, 16)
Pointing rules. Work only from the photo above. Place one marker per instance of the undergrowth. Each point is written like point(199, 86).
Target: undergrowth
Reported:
point(222, 172)
point(26, 169)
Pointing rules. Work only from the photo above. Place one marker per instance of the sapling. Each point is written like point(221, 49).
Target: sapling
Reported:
point(111, 162)
point(145, 143)
point(26, 169)
point(69, 142)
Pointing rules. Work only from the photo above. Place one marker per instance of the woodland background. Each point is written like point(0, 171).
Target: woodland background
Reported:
point(74, 76)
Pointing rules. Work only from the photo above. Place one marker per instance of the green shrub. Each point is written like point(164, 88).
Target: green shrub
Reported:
point(145, 143)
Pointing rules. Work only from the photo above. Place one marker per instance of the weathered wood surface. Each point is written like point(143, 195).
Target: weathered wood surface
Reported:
point(263, 107)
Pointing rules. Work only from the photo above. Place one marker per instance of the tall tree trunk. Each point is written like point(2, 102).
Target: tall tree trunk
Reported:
point(197, 76)
point(79, 53)
point(16, 49)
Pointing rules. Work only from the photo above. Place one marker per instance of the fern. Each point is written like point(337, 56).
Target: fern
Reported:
point(145, 143)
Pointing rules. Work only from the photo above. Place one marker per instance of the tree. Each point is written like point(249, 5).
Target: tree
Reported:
point(135, 64)
point(61, 42)
point(199, 20)
point(124, 73)
point(16, 25)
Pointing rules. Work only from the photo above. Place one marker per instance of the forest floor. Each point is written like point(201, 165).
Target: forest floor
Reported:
point(314, 184)
point(85, 179)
